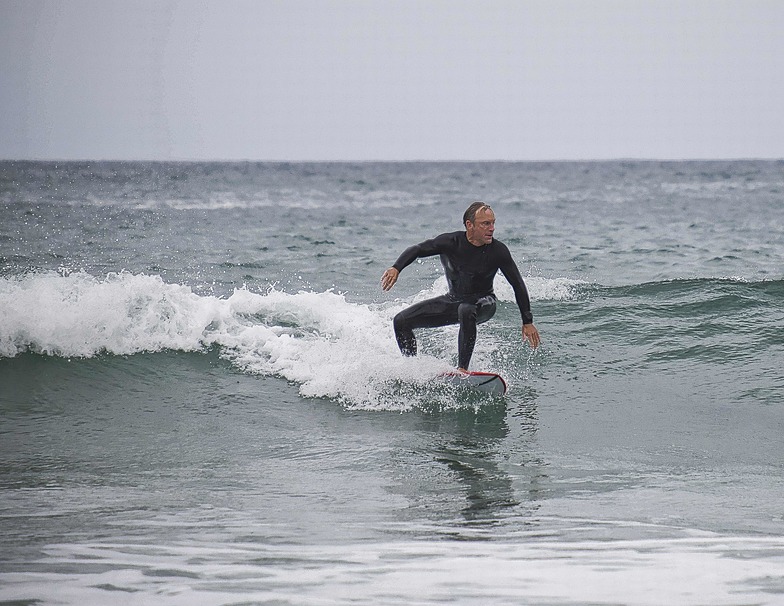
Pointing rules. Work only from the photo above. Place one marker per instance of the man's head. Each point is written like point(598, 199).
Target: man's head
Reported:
point(479, 221)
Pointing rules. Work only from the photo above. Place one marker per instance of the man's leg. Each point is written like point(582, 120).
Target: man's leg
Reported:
point(425, 314)
point(469, 315)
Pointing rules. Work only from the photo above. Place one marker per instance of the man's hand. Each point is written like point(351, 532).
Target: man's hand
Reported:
point(531, 335)
point(389, 278)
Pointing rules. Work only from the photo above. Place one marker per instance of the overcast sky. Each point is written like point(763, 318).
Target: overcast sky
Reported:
point(391, 80)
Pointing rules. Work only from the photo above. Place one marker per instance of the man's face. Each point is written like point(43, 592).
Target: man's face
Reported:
point(481, 230)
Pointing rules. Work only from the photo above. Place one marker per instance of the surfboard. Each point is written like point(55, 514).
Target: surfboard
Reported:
point(485, 382)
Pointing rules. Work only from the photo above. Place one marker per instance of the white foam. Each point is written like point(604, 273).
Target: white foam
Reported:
point(720, 570)
point(329, 346)
point(79, 315)
point(540, 289)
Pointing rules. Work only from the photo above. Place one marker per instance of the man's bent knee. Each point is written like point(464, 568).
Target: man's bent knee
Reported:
point(466, 312)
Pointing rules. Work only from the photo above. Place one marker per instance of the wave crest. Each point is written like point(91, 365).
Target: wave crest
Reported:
point(329, 346)
point(79, 315)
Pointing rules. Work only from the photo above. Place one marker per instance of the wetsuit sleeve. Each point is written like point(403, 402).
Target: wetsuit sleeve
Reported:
point(509, 268)
point(428, 248)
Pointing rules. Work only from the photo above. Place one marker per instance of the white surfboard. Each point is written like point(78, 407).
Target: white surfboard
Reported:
point(486, 382)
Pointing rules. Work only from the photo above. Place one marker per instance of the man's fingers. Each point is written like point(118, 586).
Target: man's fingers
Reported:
point(531, 334)
point(388, 279)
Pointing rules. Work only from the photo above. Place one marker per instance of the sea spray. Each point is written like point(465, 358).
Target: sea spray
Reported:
point(82, 316)
point(330, 347)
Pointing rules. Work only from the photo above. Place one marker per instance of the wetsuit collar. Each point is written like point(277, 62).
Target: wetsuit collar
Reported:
point(471, 243)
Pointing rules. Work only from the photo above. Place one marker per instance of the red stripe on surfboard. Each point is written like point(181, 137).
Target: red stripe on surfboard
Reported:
point(478, 373)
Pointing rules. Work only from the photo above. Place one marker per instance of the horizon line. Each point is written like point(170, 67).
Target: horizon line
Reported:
point(398, 161)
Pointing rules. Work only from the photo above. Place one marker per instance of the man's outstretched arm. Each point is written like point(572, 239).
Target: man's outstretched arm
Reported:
point(428, 248)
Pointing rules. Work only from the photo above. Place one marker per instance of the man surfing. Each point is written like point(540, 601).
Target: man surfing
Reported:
point(471, 258)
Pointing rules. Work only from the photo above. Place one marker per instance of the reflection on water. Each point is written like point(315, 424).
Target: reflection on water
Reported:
point(479, 465)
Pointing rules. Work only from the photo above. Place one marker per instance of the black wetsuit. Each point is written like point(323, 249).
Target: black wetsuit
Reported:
point(470, 271)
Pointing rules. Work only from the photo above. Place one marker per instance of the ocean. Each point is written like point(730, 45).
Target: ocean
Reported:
point(202, 401)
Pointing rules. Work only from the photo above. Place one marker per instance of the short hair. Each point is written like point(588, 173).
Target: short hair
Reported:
point(470, 213)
